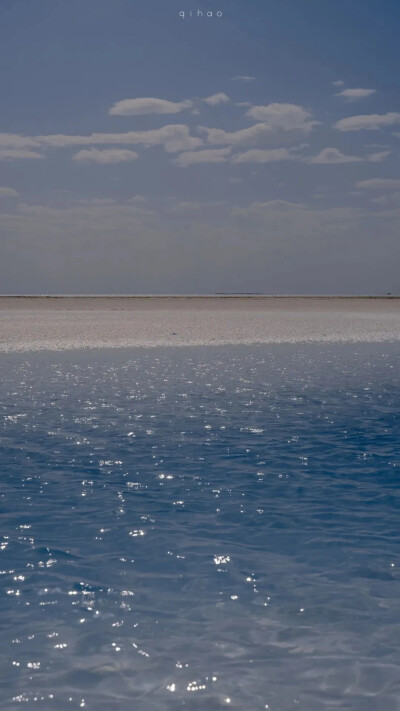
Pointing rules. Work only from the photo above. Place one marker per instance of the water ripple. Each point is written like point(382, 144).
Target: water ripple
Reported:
point(201, 528)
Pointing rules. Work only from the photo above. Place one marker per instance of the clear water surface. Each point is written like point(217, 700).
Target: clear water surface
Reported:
point(201, 528)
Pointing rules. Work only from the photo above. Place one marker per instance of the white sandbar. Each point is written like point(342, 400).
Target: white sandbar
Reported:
point(66, 322)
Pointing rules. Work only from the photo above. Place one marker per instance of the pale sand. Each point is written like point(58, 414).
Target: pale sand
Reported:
point(59, 323)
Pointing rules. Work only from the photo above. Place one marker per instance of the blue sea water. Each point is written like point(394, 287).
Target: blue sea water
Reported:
point(201, 528)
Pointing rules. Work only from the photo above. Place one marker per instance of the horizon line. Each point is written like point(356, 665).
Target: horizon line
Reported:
point(217, 295)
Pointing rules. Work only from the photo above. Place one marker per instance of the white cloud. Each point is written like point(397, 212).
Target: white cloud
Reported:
point(392, 200)
point(286, 117)
point(139, 107)
point(382, 200)
point(265, 208)
point(100, 208)
point(244, 79)
point(378, 157)
point(216, 99)
point(211, 155)
point(329, 156)
point(339, 82)
point(112, 155)
point(173, 137)
point(138, 199)
point(379, 184)
point(8, 192)
point(243, 137)
point(259, 155)
point(368, 122)
point(15, 140)
point(355, 94)
point(18, 154)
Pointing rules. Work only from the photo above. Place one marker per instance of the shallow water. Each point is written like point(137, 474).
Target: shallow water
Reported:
point(201, 528)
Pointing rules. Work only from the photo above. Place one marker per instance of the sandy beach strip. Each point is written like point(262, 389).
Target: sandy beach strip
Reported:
point(69, 322)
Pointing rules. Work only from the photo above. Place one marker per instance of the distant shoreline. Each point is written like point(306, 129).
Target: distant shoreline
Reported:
point(221, 295)
point(193, 302)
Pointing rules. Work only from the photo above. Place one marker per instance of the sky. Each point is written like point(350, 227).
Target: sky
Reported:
point(169, 146)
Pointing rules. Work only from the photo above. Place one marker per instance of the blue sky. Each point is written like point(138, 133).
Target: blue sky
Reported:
point(144, 152)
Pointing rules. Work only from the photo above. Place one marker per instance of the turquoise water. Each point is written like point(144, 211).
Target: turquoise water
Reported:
point(201, 529)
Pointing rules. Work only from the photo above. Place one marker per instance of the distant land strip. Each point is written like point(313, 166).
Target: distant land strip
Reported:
point(217, 295)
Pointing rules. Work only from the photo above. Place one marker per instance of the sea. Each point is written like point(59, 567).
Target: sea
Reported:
point(201, 528)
